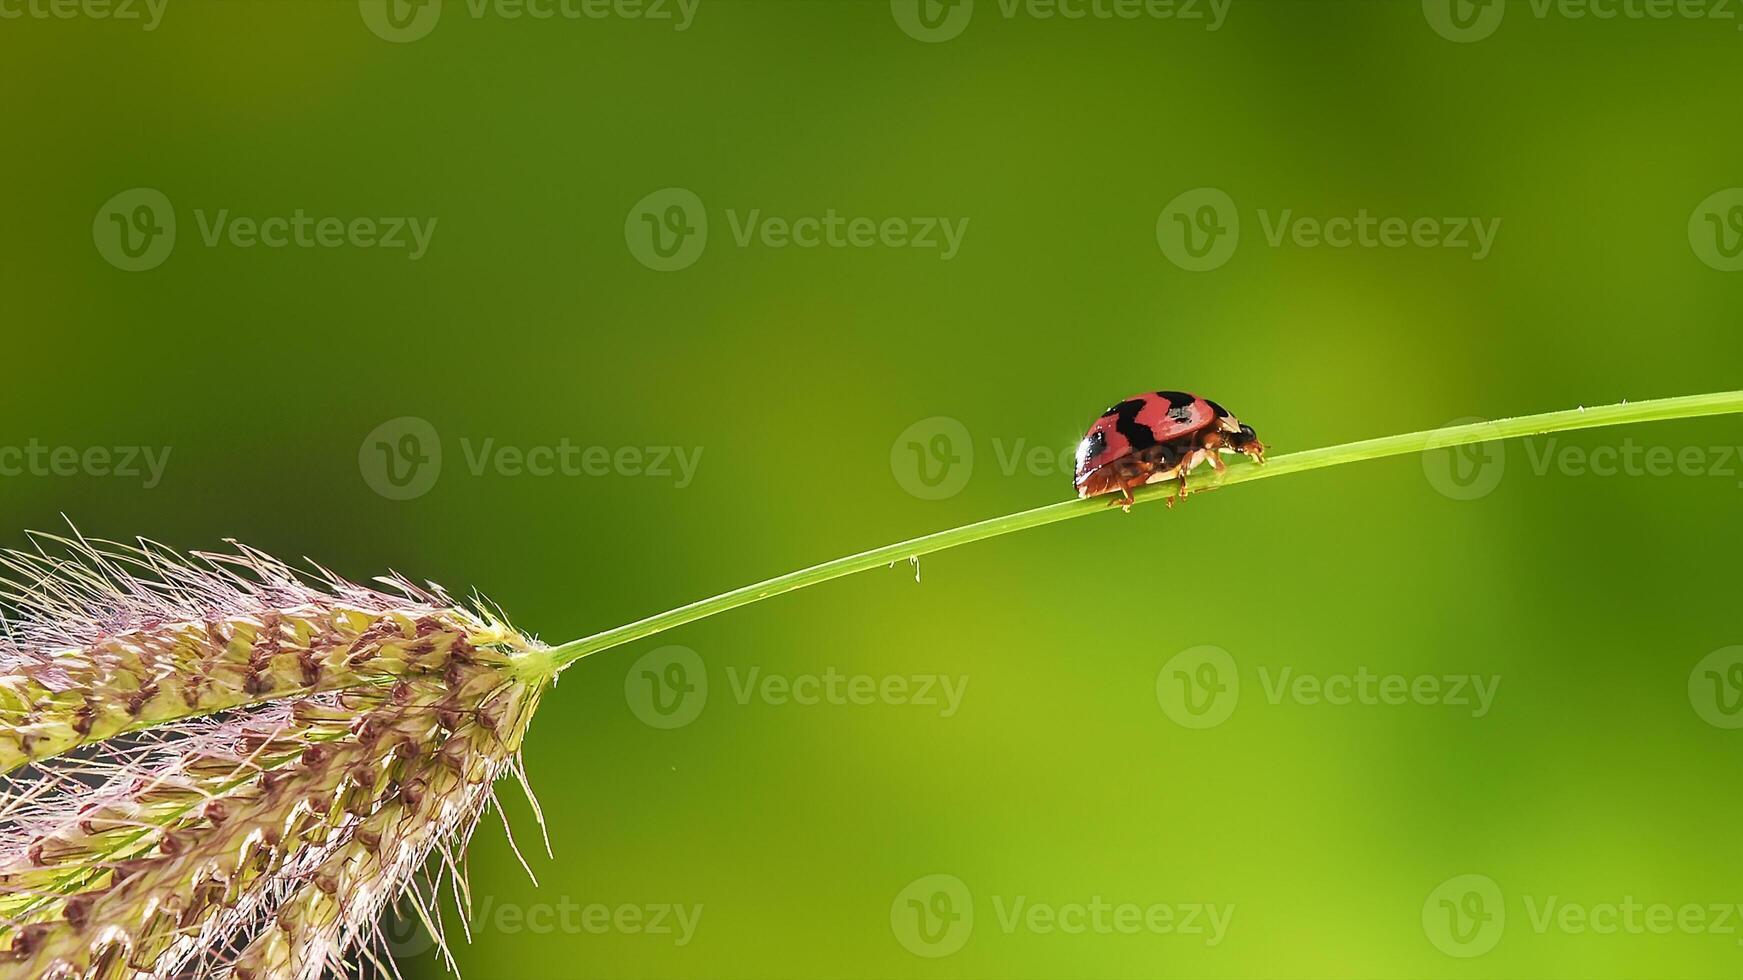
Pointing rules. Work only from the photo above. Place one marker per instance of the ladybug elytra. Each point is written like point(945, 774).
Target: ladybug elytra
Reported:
point(1157, 436)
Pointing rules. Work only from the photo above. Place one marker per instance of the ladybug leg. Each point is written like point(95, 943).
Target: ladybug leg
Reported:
point(1216, 461)
point(1120, 494)
point(1211, 444)
point(1176, 481)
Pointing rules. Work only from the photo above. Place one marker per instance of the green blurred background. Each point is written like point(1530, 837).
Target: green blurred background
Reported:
point(1603, 772)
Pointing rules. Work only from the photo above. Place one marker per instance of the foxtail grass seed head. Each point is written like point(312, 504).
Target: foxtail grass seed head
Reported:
point(217, 767)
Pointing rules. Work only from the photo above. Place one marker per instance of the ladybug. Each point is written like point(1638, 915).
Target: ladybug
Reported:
point(1156, 436)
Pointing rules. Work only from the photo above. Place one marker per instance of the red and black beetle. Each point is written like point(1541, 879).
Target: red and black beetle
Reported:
point(1156, 436)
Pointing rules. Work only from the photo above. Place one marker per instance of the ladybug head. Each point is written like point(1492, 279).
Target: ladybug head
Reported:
point(1247, 441)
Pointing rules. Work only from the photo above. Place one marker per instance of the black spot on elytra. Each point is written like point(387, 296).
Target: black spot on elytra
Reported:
point(1221, 412)
point(1126, 422)
point(1176, 399)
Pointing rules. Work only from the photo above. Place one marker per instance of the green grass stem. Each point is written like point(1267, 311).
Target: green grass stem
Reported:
point(560, 657)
